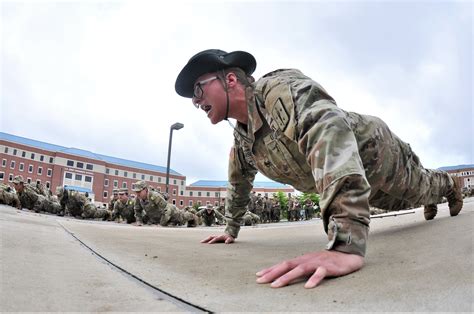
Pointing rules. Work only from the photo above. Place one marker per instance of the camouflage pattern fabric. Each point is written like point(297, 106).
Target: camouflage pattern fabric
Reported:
point(8, 196)
point(250, 219)
point(297, 135)
point(124, 210)
point(210, 218)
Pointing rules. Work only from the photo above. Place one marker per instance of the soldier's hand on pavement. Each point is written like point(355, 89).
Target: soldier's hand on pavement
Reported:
point(227, 239)
point(315, 265)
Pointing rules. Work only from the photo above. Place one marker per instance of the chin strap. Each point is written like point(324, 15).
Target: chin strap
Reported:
point(227, 96)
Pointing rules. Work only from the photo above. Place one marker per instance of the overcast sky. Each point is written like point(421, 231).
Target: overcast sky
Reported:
point(99, 75)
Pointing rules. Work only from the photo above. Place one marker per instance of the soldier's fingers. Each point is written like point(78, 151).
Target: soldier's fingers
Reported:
point(229, 240)
point(207, 239)
point(263, 272)
point(276, 271)
point(216, 239)
point(293, 274)
point(316, 278)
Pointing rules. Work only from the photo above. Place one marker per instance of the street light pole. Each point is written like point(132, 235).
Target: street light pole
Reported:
point(176, 126)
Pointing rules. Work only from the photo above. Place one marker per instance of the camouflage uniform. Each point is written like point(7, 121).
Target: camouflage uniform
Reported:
point(113, 199)
point(250, 219)
point(210, 217)
point(124, 210)
point(297, 135)
point(275, 211)
point(8, 196)
point(29, 198)
point(156, 210)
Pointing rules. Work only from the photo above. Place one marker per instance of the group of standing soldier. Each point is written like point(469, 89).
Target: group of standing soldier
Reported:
point(268, 210)
point(298, 210)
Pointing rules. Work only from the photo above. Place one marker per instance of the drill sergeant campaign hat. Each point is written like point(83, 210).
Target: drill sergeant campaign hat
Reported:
point(18, 179)
point(208, 61)
point(139, 185)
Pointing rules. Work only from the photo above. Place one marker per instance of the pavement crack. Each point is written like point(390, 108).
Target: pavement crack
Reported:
point(161, 293)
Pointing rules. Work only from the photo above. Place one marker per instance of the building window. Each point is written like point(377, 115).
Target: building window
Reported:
point(12, 164)
point(106, 182)
point(143, 177)
point(10, 177)
point(2, 175)
point(115, 184)
point(216, 194)
point(89, 167)
point(181, 203)
point(208, 203)
point(21, 167)
point(14, 152)
point(50, 172)
point(38, 182)
point(107, 170)
point(124, 185)
point(125, 174)
point(4, 163)
point(48, 184)
point(151, 178)
point(70, 163)
point(88, 178)
point(41, 157)
point(30, 168)
point(28, 180)
point(116, 172)
point(182, 182)
point(190, 193)
point(208, 194)
point(40, 170)
point(199, 203)
point(32, 155)
point(80, 165)
point(190, 203)
point(106, 194)
point(134, 175)
point(23, 154)
point(78, 177)
point(68, 175)
point(6, 150)
point(174, 191)
point(159, 179)
point(181, 192)
point(174, 202)
point(51, 160)
point(174, 181)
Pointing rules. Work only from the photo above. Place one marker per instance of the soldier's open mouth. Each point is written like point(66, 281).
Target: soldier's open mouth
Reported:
point(207, 108)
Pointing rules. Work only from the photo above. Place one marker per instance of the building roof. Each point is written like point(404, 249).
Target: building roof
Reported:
point(223, 184)
point(83, 153)
point(459, 167)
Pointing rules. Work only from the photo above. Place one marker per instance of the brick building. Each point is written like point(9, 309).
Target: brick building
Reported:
point(204, 192)
point(463, 173)
point(98, 175)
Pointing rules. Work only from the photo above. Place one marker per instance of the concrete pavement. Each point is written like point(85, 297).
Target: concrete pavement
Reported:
point(54, 263)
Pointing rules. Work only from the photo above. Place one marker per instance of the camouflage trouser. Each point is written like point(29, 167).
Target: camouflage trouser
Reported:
point(176, 216)
point(9, 198)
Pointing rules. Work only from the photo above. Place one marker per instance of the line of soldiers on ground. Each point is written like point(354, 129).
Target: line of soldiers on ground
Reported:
point(148, 206)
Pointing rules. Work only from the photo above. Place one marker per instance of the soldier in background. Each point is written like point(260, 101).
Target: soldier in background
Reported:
point(259, 206)
point(124, 208)
point(290, 207)
point(275, 212)
point(113, 199)
point(267, 208)
point(251, 204)
point(210, 216)
point(151, 206)
point(250, 219)
point(308, 209)
point(30, 199)
point(8, 196)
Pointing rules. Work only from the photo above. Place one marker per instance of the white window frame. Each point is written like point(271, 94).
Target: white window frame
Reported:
point(12, 164)
point(115, 183)
point(40, 171)
point(31, 168)
point(21, 166)
point(49, 173)
point(106, 182)
point(2, 175)
point(4, 162)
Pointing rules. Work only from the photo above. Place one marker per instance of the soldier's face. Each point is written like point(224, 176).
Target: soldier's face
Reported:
point(18, 187)
point(123, 197)
point(214, 100)
point(142, 194)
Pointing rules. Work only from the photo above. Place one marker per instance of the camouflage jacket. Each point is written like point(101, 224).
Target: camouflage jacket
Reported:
point(124, 209)
point(297, 135)
point(29, 198)
point(154, 207)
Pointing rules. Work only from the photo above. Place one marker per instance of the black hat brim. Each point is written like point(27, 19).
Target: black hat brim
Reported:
point(211, 61)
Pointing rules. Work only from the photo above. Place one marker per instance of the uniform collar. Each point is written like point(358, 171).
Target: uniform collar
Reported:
point(254, 120)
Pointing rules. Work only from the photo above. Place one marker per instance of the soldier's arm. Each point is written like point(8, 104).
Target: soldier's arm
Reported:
point(241, 177)
point(137, 208)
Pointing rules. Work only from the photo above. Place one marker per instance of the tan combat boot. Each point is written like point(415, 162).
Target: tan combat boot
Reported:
point(430, 211)
point(454, 197)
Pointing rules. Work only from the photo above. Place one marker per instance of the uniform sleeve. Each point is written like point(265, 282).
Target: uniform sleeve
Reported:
point(241, 177)
point(326, 139)
point(137, 208)
point(330, 146)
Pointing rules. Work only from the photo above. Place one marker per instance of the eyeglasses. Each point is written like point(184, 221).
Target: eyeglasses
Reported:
point(198, 92)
